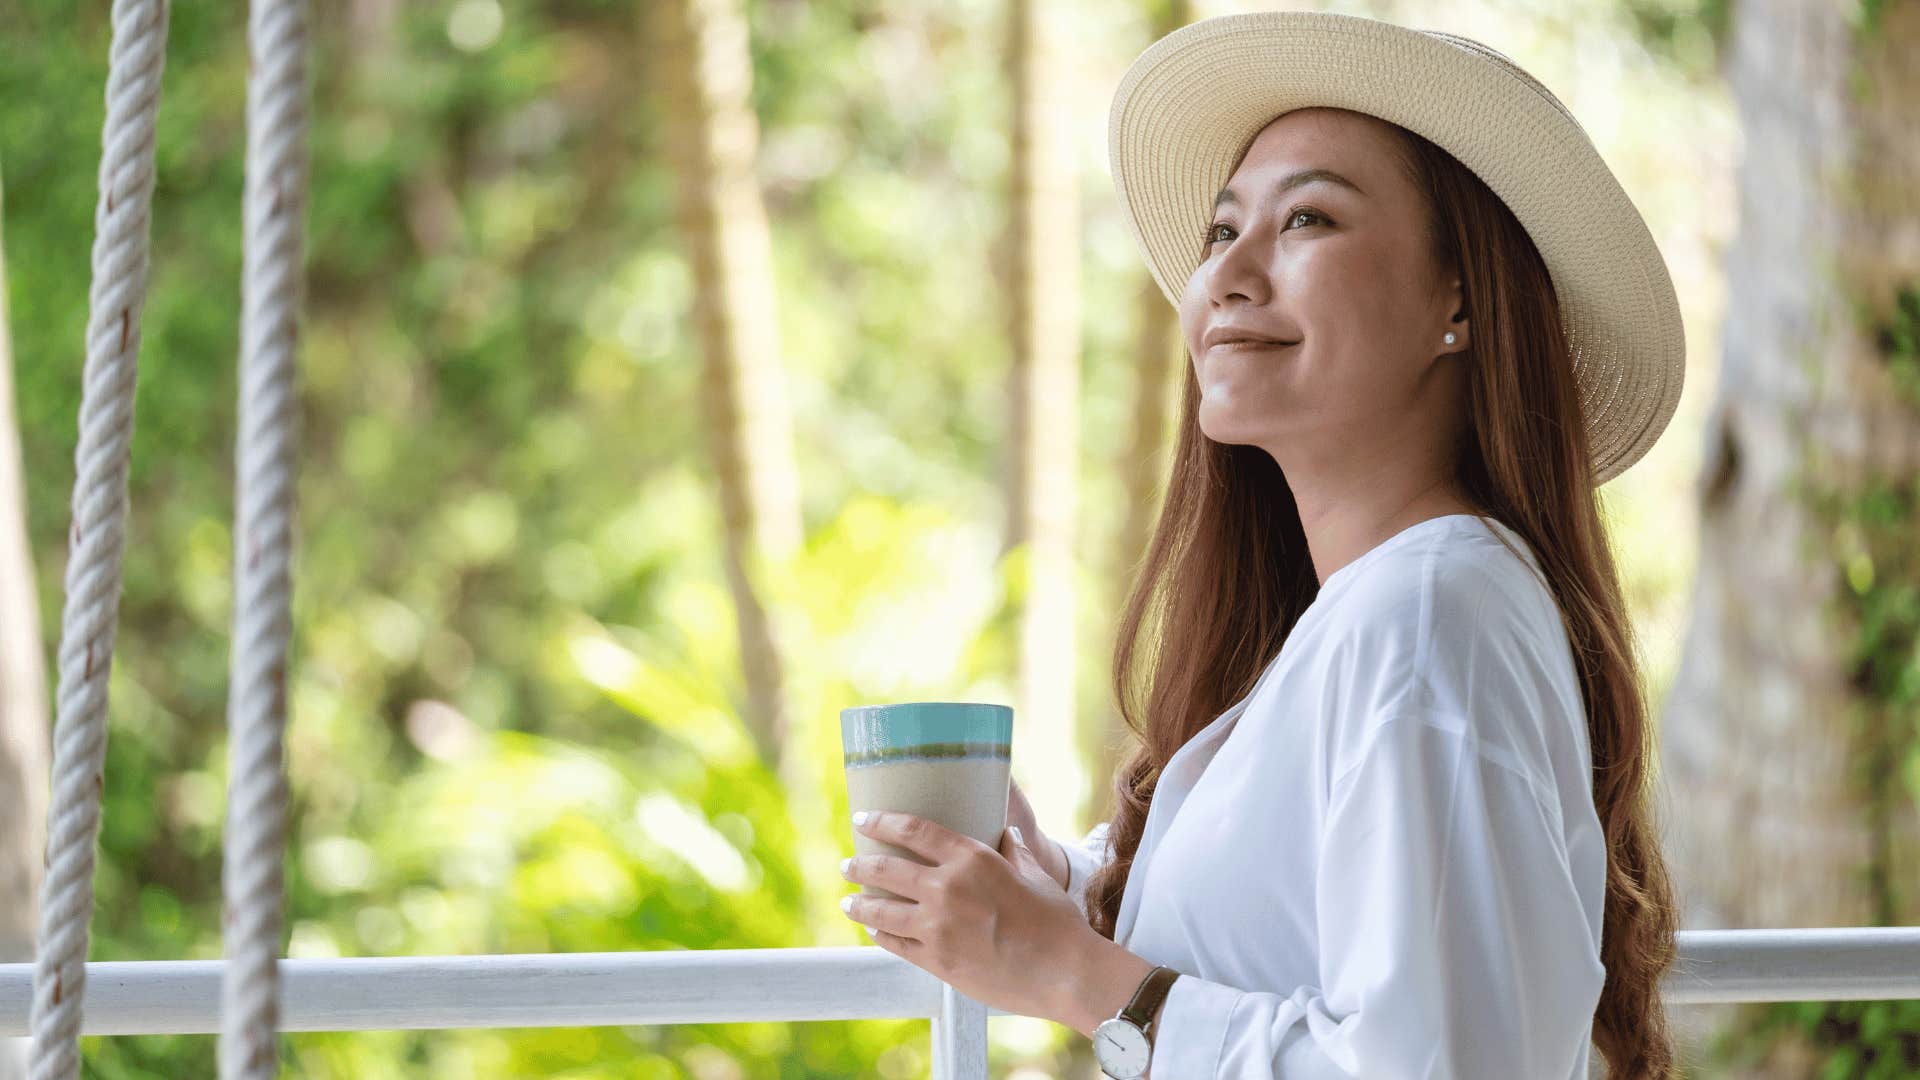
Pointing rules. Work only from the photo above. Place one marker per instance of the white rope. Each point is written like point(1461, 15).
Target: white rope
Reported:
point(252, 880)
point(97, 537)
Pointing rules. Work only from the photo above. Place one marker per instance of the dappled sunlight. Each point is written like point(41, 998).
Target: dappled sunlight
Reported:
point(532, 703)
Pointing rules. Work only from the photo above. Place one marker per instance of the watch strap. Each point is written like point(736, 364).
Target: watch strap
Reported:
point(1148, 997)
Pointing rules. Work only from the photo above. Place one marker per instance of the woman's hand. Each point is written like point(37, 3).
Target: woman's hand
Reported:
point(1020, 816)
point(991, 923)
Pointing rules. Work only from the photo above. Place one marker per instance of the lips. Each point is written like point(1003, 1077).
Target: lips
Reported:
point(1234, 336)
point(1250, 344)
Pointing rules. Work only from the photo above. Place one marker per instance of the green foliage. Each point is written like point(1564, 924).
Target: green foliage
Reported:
point(1867, 16)
point(1898, 342)
point(1690, 33)
point(514, 692)
point(1862, 1040)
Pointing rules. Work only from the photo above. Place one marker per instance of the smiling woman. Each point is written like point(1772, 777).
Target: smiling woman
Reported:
point(1387, 649)
point(1353, 278)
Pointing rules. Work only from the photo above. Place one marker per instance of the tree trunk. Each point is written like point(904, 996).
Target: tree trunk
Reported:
point(1160, 362)
point(1043, 303)
point(707, 76)
point(23, 701)
point(698, 50)
point(1779, 736)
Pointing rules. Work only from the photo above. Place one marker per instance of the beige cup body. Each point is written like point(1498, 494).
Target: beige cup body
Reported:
point(967, 795)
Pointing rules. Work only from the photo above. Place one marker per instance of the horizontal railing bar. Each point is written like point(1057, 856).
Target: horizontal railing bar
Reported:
point(525, 990)
point(793, 984)
point(1865, 963)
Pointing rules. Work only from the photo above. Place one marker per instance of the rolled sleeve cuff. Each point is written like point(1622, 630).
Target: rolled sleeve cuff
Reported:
point(1188, 1037)
point(1082, 862)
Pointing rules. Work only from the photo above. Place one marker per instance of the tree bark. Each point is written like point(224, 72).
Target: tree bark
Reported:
point(698, 51)
point(1771, 724)
point(707, 75)
point(1043, 479)
point(1159, 361)
point(24, 717)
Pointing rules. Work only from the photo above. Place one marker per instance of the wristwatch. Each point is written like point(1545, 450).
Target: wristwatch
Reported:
point(1122, 1044)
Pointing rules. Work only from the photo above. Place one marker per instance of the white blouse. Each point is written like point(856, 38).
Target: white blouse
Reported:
point(1392, 869)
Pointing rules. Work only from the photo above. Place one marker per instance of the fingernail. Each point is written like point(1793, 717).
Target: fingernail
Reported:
point(846, 903)
point(860, 817)
point(871, 932)
point(1015, 829)
point(844, 863)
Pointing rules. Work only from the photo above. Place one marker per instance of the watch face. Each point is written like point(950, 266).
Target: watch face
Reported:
point(1121, 1048)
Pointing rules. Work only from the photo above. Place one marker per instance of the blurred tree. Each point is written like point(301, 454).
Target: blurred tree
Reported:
point(23, 695)
point(509, 585)
point(1042, 285)
point(707, 83)
point(705, 72)
point(1786, 742)
point(1160, 365)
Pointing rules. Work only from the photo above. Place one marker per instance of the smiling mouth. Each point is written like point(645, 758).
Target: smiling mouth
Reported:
point(1251, 344)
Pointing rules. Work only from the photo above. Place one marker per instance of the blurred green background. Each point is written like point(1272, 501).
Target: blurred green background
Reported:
point(516, 697)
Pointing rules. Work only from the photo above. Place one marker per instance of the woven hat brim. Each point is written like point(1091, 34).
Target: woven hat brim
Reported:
point(1191, 103)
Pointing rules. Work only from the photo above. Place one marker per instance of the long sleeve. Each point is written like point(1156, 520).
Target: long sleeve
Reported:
point(1085, 856)
point(1453, 945)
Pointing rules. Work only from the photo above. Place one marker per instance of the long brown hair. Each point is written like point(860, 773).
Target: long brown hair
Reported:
point(1227, 573)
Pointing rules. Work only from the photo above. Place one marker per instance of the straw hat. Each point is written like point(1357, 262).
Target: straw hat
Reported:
point(1194, 100)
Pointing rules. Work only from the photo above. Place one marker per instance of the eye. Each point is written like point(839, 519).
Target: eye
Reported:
point(1314, 214)
point(1209, 239)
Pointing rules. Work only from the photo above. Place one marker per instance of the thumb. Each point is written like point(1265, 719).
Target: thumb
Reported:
point(1020, 856)
point(1017, 849)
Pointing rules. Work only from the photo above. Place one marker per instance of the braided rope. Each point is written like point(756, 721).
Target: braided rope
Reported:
point(97, 537)
point(252, 879)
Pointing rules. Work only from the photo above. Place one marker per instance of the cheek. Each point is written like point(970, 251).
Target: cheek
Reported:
point(1353, 307)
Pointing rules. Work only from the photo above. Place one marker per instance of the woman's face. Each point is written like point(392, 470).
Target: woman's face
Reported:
point(1343, 274)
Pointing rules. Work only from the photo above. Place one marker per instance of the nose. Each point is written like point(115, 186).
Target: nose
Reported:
point(1239, 271)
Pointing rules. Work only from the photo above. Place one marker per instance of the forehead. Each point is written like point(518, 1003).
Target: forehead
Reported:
point(1361, 148)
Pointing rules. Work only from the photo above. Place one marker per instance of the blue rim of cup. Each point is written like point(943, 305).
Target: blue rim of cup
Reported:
point(925, 731)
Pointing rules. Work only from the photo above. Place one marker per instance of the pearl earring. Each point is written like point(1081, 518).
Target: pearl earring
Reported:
point(1449, 338)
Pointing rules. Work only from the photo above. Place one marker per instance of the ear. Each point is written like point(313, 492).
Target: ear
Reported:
point(1458, 325)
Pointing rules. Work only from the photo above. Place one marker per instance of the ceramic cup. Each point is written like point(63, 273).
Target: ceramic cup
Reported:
point(946, 761)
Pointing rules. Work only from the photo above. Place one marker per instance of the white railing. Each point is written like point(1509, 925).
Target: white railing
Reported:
point(854, 983)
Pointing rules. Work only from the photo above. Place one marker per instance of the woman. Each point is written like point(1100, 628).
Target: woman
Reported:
point(1389, 814)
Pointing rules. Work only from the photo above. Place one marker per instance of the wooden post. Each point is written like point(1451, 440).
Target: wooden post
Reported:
point(959, 1037)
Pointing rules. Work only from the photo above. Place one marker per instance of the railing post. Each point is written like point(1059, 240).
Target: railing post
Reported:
point(959, 1037)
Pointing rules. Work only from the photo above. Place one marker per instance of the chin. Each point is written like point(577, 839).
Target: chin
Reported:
point(1225, 429)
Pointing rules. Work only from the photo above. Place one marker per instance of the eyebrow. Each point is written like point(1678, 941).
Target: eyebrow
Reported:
point(1293, 180)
